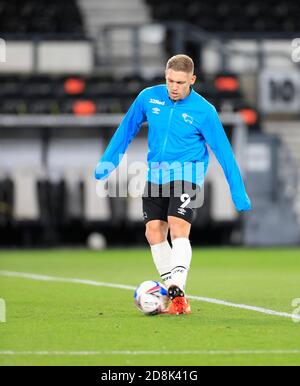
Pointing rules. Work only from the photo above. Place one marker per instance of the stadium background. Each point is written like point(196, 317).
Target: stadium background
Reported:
point(70, 70)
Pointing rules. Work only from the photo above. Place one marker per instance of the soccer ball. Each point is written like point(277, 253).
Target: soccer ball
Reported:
point(151, 297)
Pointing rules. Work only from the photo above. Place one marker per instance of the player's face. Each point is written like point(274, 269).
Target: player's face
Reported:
point(179, 83)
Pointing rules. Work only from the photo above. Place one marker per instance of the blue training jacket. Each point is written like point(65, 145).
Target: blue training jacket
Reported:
point(177, 136)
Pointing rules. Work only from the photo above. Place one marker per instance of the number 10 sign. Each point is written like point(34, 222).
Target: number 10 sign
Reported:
point(279, 91)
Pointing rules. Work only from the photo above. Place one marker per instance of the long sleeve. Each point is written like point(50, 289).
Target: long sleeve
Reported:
point(216, 138)
point(122, 137)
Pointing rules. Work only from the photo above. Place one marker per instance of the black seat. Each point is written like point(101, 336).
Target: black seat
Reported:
point(40, 16)
point(230, 15)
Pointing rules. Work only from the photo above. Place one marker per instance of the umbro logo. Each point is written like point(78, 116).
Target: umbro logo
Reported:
point(155, 110)
point(182, 211)
point(157, 102)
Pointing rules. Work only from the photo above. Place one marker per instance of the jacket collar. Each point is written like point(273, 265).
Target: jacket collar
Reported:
point(181, 101)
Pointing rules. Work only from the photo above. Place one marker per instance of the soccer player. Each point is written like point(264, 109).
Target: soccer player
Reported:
point(180, 125)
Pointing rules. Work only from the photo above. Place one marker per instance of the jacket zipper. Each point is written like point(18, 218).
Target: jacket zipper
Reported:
point(168, 129)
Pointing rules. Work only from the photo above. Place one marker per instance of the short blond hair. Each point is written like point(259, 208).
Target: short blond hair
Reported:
point(181, 63)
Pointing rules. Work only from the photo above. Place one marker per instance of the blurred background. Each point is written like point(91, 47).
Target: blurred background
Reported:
point(70, 70)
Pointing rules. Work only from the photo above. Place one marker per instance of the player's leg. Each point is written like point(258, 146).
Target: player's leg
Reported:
point(156, 231)
point(180, 218)
point(181, 254)
point(155, 217)
point(156, 234)
point(179, 228)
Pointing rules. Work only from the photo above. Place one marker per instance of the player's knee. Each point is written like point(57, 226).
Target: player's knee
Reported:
point(179, 228)
point(155, 233)
point(176, 231)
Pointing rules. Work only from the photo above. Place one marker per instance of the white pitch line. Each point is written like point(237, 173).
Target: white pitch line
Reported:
point(184, 352)
point(33, 276)
point(245, 307)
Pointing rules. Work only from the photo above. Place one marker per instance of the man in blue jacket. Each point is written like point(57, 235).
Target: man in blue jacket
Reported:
point(180, 125)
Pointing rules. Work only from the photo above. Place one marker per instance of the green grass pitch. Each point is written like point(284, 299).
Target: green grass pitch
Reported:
point(64, 319)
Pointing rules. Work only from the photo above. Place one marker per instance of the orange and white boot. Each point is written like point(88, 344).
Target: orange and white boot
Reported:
point(179, 303)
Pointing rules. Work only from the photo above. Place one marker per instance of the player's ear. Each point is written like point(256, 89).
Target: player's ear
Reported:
point(193, 80)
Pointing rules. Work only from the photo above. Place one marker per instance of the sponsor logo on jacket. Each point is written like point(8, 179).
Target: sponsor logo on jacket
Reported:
point(157, 102)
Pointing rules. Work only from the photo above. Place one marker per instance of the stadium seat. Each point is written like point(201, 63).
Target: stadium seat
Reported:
point(52, 200)
point(95, 208)
point(25, 206)
point(137, 168)
point(42, 106)
point(24, 168)
point(42, 94)
point(6, 201)
point(74, 86)
point(73, 160)
point(84, 107)
point(40, 16)
point(230, 16)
